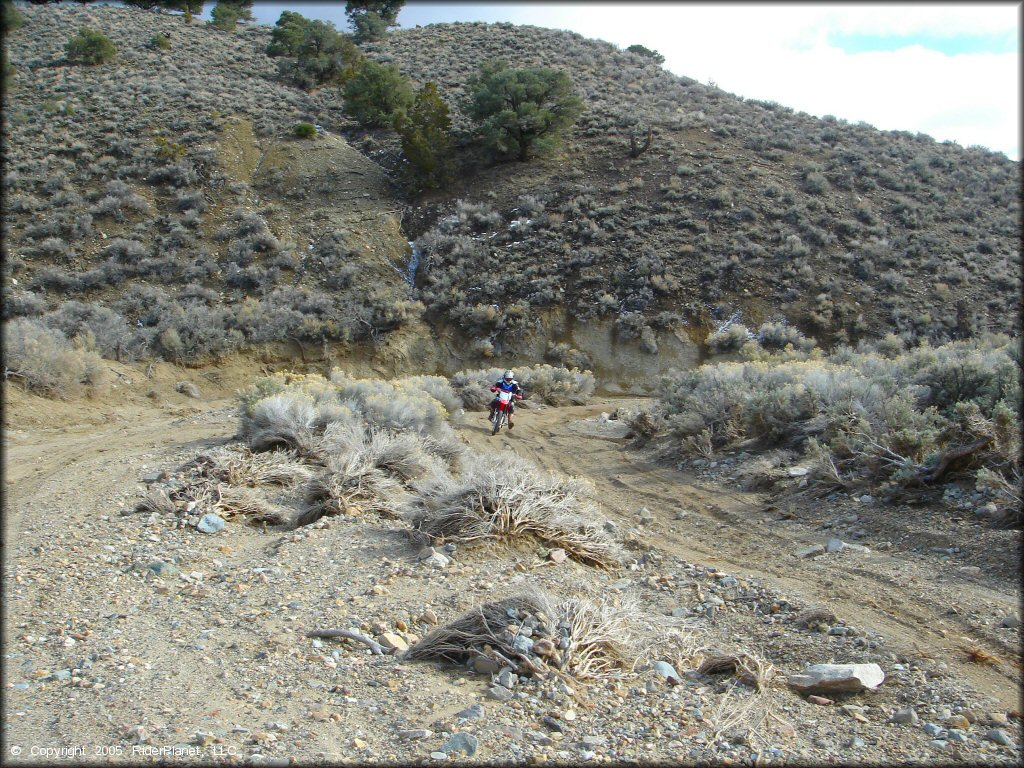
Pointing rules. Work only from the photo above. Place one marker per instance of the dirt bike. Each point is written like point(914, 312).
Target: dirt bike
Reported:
point(502, 410)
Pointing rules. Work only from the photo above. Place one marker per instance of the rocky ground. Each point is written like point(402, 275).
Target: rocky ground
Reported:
point(137, 637)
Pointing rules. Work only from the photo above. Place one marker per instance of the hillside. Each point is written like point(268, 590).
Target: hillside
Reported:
point(254, 511)
point(162, 203)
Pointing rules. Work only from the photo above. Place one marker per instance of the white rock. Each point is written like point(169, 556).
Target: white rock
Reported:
point(834, 678)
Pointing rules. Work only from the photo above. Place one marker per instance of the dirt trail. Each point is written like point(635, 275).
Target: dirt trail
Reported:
point(908, 600)
point(69, 555)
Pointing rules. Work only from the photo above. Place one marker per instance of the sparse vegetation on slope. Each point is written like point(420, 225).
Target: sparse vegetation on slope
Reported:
point(876, 417)
point(167, 188)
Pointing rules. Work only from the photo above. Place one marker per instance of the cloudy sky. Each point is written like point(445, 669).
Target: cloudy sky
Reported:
point(951, 70)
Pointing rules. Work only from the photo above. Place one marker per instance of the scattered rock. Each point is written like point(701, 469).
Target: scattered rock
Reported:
point(838, 545)
point(500, 693)
point(415, 734)
point(485, 665)
point(1010, 622)
point(472, 712)
point(210, 523)
point(434, 558)
point(188, 389)
point(959, 722)
point(838, 678)
point(999, 737)
point(819, 700)
point(905, 716)
point(163, 570)
point(817, 549)
point(507, 678)
point(557, 556)
point(667, 671)
point(392, 642)
point(461, 742)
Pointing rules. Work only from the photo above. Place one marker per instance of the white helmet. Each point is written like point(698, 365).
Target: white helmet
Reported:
point(509, 376)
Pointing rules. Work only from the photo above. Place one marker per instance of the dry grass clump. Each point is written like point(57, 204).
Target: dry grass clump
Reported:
point(514, 498)
point(580, 637)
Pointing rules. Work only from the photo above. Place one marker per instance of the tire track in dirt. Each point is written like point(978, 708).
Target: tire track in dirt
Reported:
point(905, 599)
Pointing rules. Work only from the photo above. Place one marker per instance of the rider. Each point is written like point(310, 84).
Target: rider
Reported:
point(507, 383)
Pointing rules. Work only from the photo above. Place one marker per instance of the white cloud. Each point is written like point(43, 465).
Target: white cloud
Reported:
point(780, 53)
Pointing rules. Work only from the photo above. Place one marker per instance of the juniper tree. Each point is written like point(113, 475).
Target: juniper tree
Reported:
point(227, 13)
point(370, 20)
point(375, 93)
point(522, 111)
point(322, 55)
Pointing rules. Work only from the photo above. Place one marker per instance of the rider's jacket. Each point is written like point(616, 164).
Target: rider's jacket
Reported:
point(506, 386)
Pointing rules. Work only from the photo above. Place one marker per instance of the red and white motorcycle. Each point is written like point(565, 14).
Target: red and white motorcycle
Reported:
point(502, 409)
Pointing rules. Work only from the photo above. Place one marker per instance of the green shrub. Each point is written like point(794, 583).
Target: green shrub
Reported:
point(90, 47)
point(868, 417)
point(160, 41)
point(728, 339)
point(304, 130)
point(646, 52)
point(376, 93)
point(521, 111)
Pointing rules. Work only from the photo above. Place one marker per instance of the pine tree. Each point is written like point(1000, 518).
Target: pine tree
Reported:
point(426, 136)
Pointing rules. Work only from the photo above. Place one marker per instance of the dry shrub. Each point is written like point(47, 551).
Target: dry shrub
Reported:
point(350, 488)
point(233, 502)
point(46, 362)
point(750, 670)
point(747, 703)
point(156, 502)
point(283, 419)
point(578, 636)
point(515, 498)
point(240, 466)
